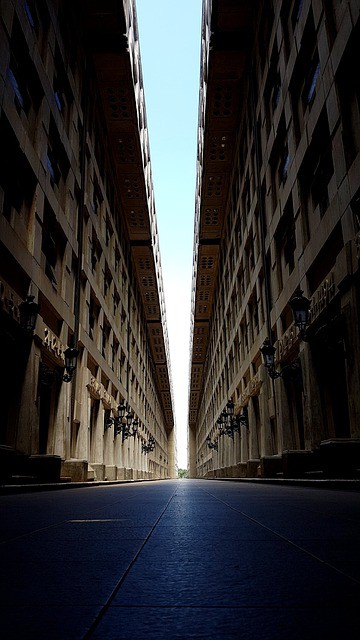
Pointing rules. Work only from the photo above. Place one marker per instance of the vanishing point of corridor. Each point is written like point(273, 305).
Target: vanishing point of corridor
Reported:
point(181, 559)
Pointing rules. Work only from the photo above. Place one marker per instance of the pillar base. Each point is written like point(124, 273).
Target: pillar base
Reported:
point(271, 466)
point(110, 472)
point(77, 470)
point(253, 468)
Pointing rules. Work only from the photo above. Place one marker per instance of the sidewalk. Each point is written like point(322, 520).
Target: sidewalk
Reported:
point(330, 483)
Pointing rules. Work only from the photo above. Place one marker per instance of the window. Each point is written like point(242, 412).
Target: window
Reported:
point(323, 171)
point(93, 315)
point(296, 12)
point(290, 16)
point(107, 281)
point(52, 244)
point(355, 208)
point(95, 252)
point(31, 14)
point(348, 86)
point(17, 180)
point(311, 80)
point(279, 162)
point(97, 198)
point(22, 77)
point(114, 352)
point(105, 333)
point(108, 232)
point(285, 244)
point(305, 78)
point(273, 89)
point(116, 302)
point(57, 162)
point(21, 96)
point(316, 172)
point(284, 164)
point(38, 17)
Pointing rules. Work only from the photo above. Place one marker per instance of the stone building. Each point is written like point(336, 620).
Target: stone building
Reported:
point(79, 245)
point(277, 214)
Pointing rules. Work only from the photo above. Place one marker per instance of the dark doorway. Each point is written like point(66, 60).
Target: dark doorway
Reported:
point(294, 393)
point(329, 356)
point(93, 420)
point(46, 390)
point(14, 353)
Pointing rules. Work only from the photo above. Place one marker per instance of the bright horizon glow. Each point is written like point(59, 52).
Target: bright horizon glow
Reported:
point(169, 34)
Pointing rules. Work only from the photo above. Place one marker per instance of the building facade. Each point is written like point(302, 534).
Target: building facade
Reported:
point(78, 238)
point(277, 212)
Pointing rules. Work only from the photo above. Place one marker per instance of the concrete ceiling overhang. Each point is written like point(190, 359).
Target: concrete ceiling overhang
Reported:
point(120, 93)
point(230, 30)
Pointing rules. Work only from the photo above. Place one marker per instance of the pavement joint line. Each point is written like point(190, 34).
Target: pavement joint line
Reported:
point(290, 542)
point(56, 524)
point(118, 586)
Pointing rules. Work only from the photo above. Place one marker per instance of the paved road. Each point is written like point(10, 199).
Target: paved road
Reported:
point(181, 559)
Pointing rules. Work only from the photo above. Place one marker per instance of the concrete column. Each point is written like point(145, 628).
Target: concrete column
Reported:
point(59, 427)
point(192, 452)
point(171, 453)
point(108, 440)
point(286, 428)
point(237, 448)
point(351, 313)
point(254, 452)
point(28, 427)
point(244, 444)
point(313, 422)
point(267, 411)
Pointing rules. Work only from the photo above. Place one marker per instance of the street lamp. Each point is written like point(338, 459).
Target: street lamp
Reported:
point(243, 417)
point(300, 307)
point(121, 409)
point(241, 420)
point(230, 408)
point(268, 353)
point(291, 371)
point(28, 313)
point(146, 447)
point(212, 445)
point(70, 354)
point(130, 422)
point(228, 423)
point(221, 423)
point(125, 427)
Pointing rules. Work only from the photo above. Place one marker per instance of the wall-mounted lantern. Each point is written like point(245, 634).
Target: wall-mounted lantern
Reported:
point(228, 424)
point(70, 354)
point(28, 314)
point(146, 447)
point(124, 426)
point(268, 353)
point(300, 307)
point(212, 445)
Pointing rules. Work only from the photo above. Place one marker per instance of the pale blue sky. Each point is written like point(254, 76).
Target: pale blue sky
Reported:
point(170, 32)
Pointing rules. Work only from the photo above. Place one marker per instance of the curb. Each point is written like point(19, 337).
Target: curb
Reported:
point(333, 483)
point(11, 489)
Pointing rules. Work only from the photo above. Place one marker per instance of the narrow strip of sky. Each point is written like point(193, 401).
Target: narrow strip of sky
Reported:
point(170, 35)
